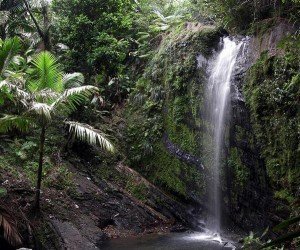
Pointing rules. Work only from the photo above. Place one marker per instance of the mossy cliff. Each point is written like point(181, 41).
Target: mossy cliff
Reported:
point(272, 92)
point(260, 171)
point(166, 103)
point(263, 156)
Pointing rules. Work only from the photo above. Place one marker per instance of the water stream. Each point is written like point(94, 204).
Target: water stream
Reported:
point(218, 94)
point(174, 241)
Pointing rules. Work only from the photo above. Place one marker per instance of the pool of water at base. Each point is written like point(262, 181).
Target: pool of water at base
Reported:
point(172, 241)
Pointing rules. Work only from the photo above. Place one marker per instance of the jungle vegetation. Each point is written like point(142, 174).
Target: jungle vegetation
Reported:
point(69, 66)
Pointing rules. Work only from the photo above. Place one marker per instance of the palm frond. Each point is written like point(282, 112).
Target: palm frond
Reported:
point(19, 94)
point(8, 49)
point(46, 73)
point(43, 110)
point(86, 90)
point(10, 122)
point(90, 135)
point(10, 231)
point(73, 80)
point(46, 95)
point(73, 97)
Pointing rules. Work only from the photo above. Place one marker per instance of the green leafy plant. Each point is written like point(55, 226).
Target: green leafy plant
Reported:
point(105, 47)
point(44, 97)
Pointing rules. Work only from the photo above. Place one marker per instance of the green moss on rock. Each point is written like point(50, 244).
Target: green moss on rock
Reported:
point(169, 172)
point(241, 172)
point(173, 71)
point(272, 95)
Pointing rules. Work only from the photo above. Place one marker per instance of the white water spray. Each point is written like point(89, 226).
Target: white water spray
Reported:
point(218, 93)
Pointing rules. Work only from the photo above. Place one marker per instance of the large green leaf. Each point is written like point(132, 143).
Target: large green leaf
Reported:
point(69, 100)
point(46, 73)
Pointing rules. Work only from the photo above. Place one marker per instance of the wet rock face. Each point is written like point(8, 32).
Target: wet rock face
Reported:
point(250, 198)
point(112, 206)
point(247, 191)
point(176, 151)
point(268, 39)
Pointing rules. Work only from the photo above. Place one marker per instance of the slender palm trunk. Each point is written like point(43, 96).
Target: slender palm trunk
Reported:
point(40, 171)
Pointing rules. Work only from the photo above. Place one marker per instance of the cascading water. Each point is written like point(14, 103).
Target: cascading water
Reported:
point(218, 93)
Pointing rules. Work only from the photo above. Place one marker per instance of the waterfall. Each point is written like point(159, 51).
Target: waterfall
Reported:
point(218, 95)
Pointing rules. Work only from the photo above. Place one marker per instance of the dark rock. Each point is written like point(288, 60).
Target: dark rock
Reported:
point(71, 237)
point(173, 149)
point(179, 229)
point(103, 223)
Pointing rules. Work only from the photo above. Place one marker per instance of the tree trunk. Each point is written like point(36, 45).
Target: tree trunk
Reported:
point(40, 171)
point(46, 37)
point(43, 33)
point(3, 32)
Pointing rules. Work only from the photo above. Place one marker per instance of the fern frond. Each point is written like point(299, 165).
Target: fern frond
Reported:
point(20, 94)
point(139, 99)
point(46, 95)
point(157, 93)
point(90, 135)
point(86, 90)
point(10, 122)
point(11, 75)
point(4, 16)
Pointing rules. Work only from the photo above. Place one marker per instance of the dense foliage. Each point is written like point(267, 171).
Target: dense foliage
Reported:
point(140, 72)
point(239, 15)
point(36, 94)
point(98, 37)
